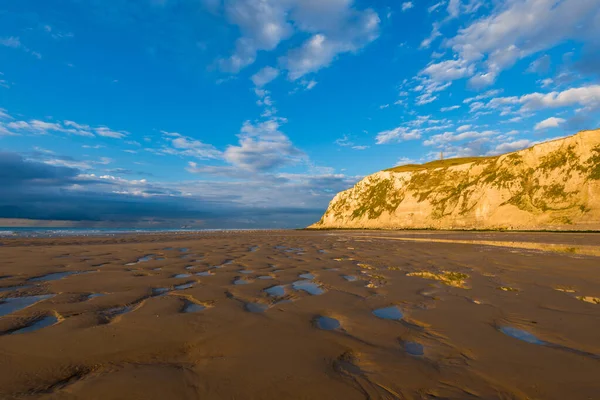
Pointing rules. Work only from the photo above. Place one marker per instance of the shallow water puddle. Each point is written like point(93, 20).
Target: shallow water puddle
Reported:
point(185, 286)
point(184, 249)
point(327, 323)
point(256, 307)
point(146, 258)
point(181, 276)
point(205, 273)
point(193, 307)
point(159, 291)
point(349, 278)
point(190, 267)
point(246, 272)
point(94, 295)
point(414, 349)
point(37, 325)
point(53, 276)
point(308, 276)
point(253, 248)
point(14, 304)
point(265, 277)
point(240, 281)
point(308, 287)
point(521, 335)
point(275, 291)
point(392, 313)
point(113, 312)
point(11, 288)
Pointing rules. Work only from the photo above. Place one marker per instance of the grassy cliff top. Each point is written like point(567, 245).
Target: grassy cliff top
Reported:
point(451, 162)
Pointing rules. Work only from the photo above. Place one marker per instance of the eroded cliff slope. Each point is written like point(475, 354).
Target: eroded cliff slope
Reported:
point(552, 185)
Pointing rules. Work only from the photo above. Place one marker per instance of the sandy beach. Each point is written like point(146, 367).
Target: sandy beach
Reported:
point(301, 315)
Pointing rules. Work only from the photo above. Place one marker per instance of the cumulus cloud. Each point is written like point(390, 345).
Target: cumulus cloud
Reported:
point(521, 28)
point(264, 76)
point(447, 137)
point(263, 147)
point(587, 97)
point(509, 147)
point(515, 30)
point(551, 122)
point(407, 5)
point(335, 27)
point(322, 48)
point(412, 130)
point(186, 146)
point(11, 126)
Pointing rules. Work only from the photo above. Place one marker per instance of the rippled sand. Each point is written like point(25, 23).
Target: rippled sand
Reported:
point(301, 315)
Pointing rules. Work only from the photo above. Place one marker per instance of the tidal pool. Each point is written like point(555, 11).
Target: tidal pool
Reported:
point(275, 291)
point(308, 287)
point(38, 324)
point(392, 313)
point(521, 335)
point(14, 304)
point(53, 276)
point(327, 323)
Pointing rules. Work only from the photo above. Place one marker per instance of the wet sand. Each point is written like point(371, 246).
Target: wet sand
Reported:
point(301, 315)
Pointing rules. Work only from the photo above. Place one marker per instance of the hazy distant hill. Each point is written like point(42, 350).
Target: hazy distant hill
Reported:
point(552, 185)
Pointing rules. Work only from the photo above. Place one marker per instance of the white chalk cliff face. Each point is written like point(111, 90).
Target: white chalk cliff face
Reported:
point(552, 185)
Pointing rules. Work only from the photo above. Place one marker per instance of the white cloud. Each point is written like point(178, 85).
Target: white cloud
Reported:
point(321, 49)
point(447, 137)
point(407, 6)
point(486, 95)
point(584, 96)
point(15, 43)
point(262, 147)
point(344, 141)
point(335, 27)
point(12, 41)
point(4, 114)
point(551, 122)
point(448, 70)
point(107, 132)
point(446, 109)
point(436, 6)
point(404, 161)
point(188, 147)
point(510, 147)
point(453, 8)
point(398, 134)
point(521, 28)
point(463, 128)
point(435, 33)
point(264, 76)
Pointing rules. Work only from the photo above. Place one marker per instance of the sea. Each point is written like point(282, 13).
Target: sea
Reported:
point(57, 232)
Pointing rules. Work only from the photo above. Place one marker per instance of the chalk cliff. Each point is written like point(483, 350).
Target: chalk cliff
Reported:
point(552, 185)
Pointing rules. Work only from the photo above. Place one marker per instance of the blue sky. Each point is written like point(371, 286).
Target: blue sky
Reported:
point(254, 113)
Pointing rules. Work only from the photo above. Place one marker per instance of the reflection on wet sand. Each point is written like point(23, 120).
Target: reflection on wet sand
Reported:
point(357, 314)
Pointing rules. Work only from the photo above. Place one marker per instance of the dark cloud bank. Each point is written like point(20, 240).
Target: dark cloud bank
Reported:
point(35, 190)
